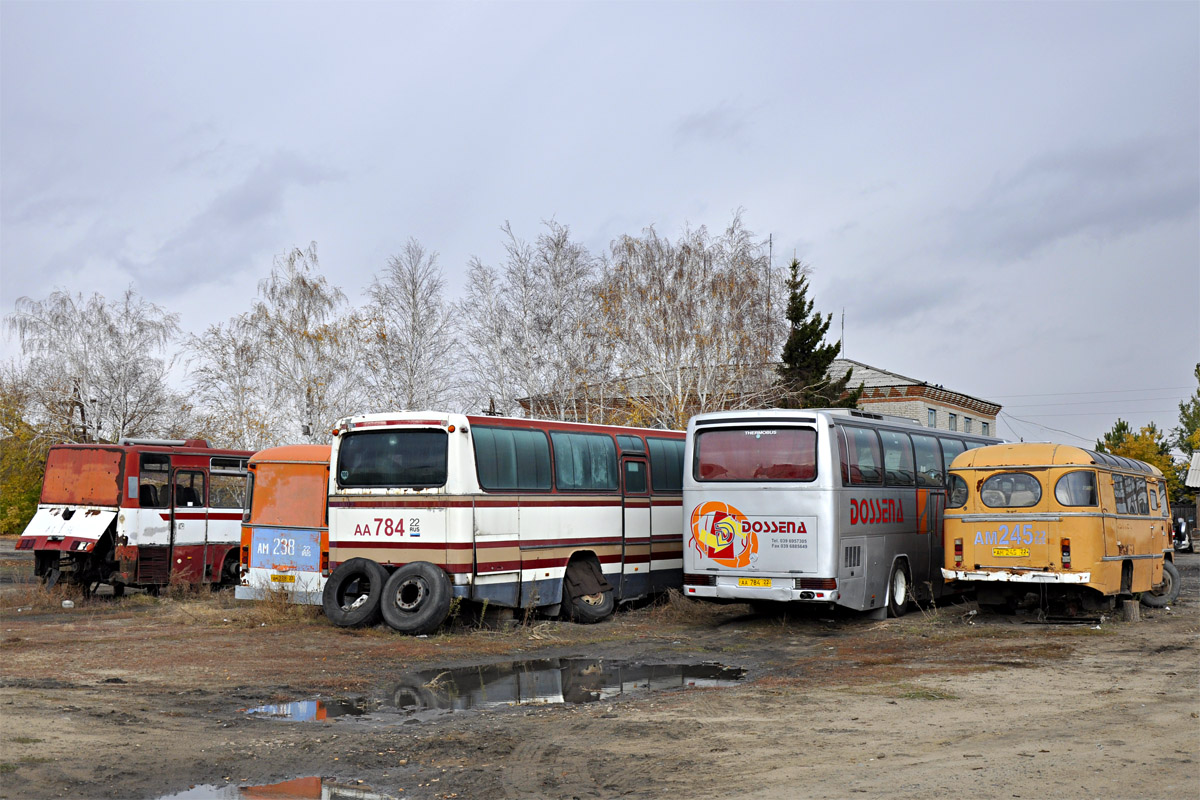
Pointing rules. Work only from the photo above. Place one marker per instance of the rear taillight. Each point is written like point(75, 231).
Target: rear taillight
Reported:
point(325, 563)
point(245, 556)
point(958, 552)
point(1066, 553)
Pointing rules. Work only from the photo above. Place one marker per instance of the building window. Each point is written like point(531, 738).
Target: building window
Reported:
point(966, 424)
point(932, 418)
point(984, 426)
point(954, 422)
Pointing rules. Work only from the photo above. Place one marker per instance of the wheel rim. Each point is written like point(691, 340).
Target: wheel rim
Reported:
point(593, 599)
point(410, 594)
point(899, 588)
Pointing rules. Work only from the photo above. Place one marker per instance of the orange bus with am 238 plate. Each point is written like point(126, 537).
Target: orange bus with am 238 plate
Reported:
point(1075, 527)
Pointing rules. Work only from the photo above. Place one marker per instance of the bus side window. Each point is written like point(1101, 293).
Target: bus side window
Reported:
point(864, 457)
point(950, 449)
point(1143, 503)
point(929, 460)
point(584, 461)
point(1076, 489)
point(666, 464)
point(897, 458)
point(1153, 498)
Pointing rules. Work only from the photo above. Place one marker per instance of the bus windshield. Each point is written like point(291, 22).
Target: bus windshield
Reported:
point(756, 454)
point(83, 476)
point(393, 458)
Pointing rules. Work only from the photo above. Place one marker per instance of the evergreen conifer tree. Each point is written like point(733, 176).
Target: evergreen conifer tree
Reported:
point(804, 377)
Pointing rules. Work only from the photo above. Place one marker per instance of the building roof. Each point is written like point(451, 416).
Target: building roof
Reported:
point(1192, 481)
point(880, 384)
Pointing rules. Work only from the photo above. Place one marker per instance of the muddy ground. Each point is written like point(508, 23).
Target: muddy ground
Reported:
point(147, 697)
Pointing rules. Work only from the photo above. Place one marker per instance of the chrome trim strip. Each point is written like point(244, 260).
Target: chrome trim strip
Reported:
point(1122, 558)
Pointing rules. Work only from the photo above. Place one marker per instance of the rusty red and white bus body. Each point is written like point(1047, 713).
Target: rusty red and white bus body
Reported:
point(140, 513)
point(505, 511)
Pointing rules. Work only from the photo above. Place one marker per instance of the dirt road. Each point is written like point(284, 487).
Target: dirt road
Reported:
point(198, 696)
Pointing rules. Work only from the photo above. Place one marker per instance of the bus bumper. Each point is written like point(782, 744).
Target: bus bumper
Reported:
point(1014, 576)
point(741, 594)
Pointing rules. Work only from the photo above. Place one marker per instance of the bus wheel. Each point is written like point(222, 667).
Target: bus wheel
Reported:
point(416, 598)
point(1165, 593)
point(899, 589)
point(351, 596)
point(589, 594)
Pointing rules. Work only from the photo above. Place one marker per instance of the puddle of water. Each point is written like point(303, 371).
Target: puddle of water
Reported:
point(313, 788)
point(536, 682)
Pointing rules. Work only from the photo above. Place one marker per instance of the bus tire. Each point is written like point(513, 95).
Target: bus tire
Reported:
point(1165, 593)
point(416, 598)
point(899, 589)
point(351, 596)
point(582, 606)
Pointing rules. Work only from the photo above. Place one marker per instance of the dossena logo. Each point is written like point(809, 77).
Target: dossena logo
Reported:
point(722, 533)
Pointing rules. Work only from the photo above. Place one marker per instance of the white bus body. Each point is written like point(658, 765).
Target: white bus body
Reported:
point(831, 506)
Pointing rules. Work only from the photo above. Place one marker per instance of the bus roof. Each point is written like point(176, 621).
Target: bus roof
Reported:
point(293, 453)
point(1046, 454)
point(443, 418)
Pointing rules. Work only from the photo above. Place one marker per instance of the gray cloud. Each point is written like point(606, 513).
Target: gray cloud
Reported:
point(241, 220)
point(1105, 192)
point(721, 125)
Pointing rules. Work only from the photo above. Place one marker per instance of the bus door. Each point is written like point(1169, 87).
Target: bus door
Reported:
point(635, 541)
point(189, 525)
point(932, 505)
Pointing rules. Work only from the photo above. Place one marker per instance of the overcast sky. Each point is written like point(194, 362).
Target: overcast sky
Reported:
point(1003, 197)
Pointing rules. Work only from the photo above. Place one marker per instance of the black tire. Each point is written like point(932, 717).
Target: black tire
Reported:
point(416, 598)
point(352, 593)
point(118, 589)
point(1167, 592)
point(899, 590)
point(588, 609)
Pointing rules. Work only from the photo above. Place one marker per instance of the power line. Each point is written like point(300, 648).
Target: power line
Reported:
point(1097, 402)
point(1126, 413)
point(1008, 417)
point(1096, 391)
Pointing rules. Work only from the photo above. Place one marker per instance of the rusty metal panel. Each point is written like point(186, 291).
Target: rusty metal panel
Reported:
point(86, 476)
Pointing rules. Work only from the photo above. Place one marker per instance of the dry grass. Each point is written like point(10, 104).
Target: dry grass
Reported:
point(672, 608)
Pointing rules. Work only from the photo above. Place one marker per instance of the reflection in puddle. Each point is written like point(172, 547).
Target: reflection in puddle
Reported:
point(551, 681)
point(543, 681)
point(312, 710)
point(315, 788)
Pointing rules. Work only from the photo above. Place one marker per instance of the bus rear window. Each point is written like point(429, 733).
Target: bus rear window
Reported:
point(413, 459)
point(1010, 490)
point(83, 476)
point(756, 454)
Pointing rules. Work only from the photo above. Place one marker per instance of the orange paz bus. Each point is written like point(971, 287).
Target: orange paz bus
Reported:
point(285, 532)
point(1077, 527)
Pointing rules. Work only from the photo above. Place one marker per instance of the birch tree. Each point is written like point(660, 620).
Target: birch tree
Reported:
point(409, 334)
point(309, 348)
point(695, 322)
point(98, 370)
point(531, 327)
point(228, 386)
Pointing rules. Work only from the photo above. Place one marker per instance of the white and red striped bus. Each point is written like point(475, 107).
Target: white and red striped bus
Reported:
point(140, 513)
point(557, 517)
